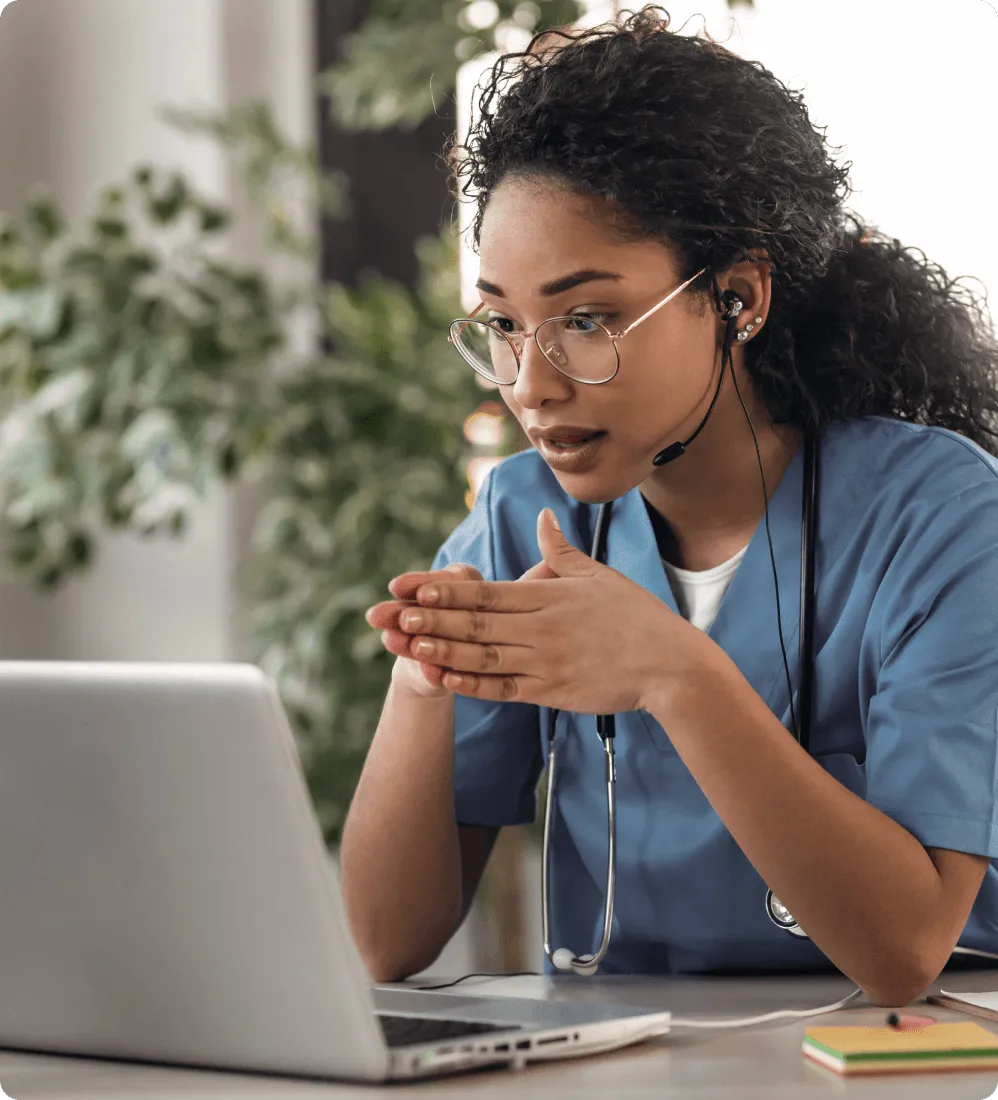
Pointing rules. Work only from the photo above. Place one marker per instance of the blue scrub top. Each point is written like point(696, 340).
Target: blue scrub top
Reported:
point(905, 698)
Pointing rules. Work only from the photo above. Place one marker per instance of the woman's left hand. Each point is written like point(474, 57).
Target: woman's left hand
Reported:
point(579, 636)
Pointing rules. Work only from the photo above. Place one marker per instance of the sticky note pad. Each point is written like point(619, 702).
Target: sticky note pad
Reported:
point(888, 1050)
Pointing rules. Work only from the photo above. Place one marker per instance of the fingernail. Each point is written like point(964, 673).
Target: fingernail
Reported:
point(428, 594)
point(424, 648)
point(412, 620)
point(554, 520)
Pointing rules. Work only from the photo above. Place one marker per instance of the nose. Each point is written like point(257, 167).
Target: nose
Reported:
point(538, 381)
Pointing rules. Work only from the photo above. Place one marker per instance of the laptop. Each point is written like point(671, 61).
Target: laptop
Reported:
point(167, 897)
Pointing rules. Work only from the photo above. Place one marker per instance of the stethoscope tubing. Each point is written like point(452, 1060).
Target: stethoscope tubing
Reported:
point(563, 959)
point(606, 731)
point(581, 964)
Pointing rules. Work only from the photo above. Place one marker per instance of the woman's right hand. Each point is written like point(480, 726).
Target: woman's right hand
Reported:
point(420, 677)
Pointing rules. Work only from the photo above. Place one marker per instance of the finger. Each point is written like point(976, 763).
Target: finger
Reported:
point(477, 627)
point(433, 674)
point(404, 586)
point(501, 689)
point(539, 572)
point(493, 660)
point(400, 645)
point(384, 615)
point(482, 595)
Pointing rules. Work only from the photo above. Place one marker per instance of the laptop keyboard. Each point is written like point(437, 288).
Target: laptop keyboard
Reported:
point(401, 1031)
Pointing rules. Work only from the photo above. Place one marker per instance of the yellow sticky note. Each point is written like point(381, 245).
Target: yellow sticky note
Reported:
point(888, 1040)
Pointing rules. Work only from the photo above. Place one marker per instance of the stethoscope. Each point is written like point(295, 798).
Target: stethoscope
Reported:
point(562, 958)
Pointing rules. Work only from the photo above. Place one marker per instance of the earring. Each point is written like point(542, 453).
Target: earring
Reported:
point(734, 308)
point(758, 320)
point(743, 335)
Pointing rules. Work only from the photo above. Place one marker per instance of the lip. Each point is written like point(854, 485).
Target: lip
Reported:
point(571, 461)
point(558, 432)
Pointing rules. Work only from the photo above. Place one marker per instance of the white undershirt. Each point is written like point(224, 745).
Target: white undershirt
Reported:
point(699, 592)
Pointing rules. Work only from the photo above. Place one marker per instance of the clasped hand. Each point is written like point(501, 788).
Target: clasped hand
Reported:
point(579, 636)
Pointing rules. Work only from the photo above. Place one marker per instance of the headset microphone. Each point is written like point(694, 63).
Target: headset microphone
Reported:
point(733, 306)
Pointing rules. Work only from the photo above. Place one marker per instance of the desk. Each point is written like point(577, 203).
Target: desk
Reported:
point(758, 1063)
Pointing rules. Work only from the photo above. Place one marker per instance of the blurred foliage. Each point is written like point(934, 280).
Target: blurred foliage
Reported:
point(281, 180)
point(368, 482)
point(404, 60)
point(133, 369)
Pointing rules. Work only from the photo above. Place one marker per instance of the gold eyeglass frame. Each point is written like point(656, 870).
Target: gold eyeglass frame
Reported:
point(524, 336)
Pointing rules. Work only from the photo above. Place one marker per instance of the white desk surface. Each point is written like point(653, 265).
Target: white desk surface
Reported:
point(763, 1062)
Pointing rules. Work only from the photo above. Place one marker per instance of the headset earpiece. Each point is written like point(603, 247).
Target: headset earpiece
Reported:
point(733, 305)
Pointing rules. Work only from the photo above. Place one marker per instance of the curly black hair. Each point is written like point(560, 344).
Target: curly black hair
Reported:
point(712, 154)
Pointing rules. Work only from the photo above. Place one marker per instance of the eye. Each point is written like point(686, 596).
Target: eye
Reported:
point(504, 324)
point(586, 323)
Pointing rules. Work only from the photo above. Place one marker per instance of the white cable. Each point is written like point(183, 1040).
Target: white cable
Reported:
point(519, 1060)
point(780, 1014)
point(794, 1013)
point(974, 951)
point(787, 1013)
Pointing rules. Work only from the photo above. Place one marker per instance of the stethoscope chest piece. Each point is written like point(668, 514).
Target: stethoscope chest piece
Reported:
point(781, 916)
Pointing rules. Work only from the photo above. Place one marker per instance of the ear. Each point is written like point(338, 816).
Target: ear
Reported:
point(752, 281)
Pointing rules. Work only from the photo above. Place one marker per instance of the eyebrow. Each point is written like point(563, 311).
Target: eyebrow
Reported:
point(559, 286)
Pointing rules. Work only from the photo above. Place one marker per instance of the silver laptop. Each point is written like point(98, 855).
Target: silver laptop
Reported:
point(166, 895)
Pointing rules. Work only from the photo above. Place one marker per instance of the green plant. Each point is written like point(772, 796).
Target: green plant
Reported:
point(132, 369)
point(369, 463)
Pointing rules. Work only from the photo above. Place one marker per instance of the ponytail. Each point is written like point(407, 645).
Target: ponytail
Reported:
point(885, 332)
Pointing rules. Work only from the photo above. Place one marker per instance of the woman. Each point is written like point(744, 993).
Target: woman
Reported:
point(636, 175)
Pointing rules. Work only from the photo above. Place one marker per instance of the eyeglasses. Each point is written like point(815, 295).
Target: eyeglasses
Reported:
point(580, 348)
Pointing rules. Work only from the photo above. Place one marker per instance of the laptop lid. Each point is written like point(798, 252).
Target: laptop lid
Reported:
point(165, 891)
